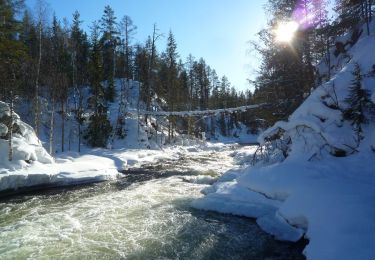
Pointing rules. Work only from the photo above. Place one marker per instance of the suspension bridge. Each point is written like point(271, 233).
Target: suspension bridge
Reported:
point(208, 112)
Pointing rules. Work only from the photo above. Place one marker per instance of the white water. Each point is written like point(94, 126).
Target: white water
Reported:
point(143, 220)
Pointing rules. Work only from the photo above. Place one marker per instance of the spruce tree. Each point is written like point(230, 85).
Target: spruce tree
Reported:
point(80, 52)
point(359, 103)
point(109, 42)
point(99, 128)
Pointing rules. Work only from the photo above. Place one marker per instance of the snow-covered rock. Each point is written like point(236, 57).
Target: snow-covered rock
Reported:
point(26, 146)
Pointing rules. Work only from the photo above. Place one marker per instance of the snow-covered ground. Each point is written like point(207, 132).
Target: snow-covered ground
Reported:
point(301, 186)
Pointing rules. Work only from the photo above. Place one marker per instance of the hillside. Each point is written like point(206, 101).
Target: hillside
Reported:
point(313, 177)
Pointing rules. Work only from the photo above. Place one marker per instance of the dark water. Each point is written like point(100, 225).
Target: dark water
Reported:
point(146, 215)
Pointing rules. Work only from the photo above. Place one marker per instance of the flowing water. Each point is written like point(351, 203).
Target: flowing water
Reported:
point(146, 215)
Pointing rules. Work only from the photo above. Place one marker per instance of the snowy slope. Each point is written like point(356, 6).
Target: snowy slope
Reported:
point(300, 186)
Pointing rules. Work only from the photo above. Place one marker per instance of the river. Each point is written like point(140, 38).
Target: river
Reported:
point(145, 215)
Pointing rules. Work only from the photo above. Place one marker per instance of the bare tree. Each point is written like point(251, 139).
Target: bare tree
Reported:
point(41, 13)
point(151, 63)
point(52, 124)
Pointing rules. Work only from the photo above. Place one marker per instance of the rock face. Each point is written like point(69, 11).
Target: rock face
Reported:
point(26, 146)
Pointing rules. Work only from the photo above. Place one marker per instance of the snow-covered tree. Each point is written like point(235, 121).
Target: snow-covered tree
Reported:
point(359, 103)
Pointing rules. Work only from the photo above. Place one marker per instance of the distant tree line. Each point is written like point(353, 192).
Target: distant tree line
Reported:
point(47, 61)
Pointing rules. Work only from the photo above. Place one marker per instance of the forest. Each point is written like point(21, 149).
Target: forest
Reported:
point(47, 60)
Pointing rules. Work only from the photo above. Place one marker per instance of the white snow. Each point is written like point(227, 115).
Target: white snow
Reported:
point(328, 200)
point(26, 146)
point(94, 165)
point(333, 201)
point(65, 172)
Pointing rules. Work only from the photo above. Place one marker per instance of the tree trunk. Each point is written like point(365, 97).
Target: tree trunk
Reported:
point(52, 126)
point(37, 112)
point(79, 137)
point(138, 115)
point(62, 126)
point(155, 36)
point(370, 10)
point(367, 17)
point(328, 60)
point(169, 129)
point(10, 128)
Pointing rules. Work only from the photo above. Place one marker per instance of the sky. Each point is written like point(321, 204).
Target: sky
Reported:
point(217, 30)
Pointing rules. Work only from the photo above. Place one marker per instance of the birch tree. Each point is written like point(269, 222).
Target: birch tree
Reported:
point(41, 12)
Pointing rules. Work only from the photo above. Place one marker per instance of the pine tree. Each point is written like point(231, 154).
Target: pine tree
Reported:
point(99, 128)
point(61, 62)
point(109, 41)
point(79, 52)
point(171, 57)
point(12, 53)
point(28, 36)
point(286, 72)
point(41, 7)
point(358, 101)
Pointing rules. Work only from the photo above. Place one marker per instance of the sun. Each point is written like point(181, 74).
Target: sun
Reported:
point(286, 31)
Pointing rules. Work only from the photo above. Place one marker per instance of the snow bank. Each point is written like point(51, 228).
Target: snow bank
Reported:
point(331, 202)
point(95, 165)
point(85, 169)
point(302, 187)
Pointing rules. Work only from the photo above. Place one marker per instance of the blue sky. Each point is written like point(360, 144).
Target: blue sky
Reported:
point(217, 30)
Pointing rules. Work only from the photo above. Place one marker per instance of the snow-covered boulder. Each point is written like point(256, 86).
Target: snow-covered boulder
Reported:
point(26, 146)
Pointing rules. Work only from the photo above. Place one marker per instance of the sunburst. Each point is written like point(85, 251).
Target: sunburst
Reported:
point(285, 31)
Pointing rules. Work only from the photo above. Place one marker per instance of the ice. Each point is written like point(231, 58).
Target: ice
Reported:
point(278, 227)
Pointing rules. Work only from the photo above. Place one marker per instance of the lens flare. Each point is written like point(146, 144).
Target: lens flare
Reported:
point(286, 31)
